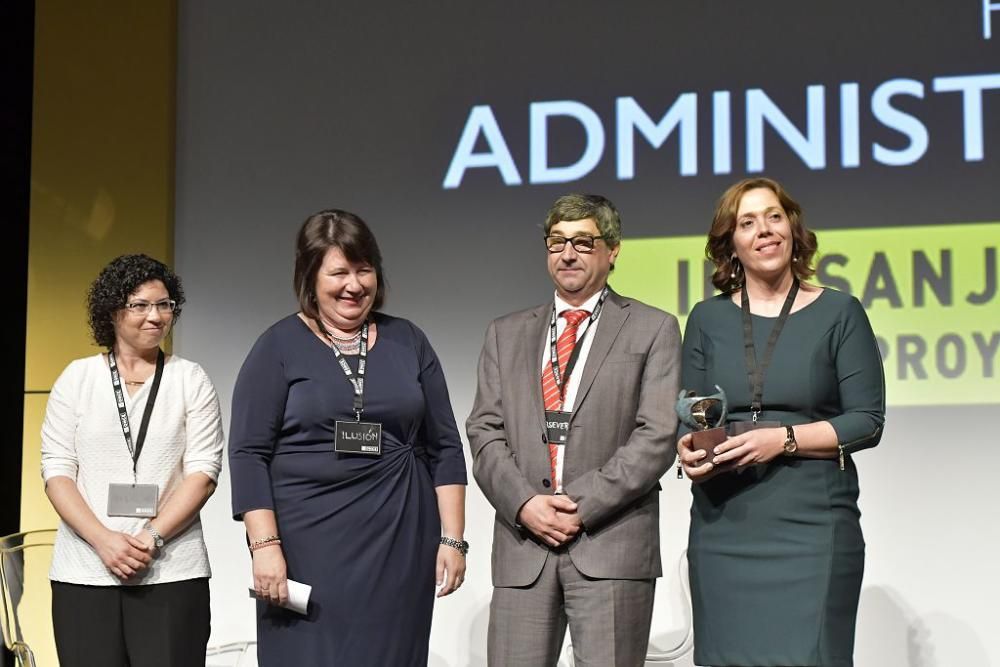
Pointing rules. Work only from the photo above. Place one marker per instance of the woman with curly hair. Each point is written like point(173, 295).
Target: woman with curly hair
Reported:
point(131, 450)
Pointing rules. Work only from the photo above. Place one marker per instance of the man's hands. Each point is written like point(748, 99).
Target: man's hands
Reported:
point(552, 518)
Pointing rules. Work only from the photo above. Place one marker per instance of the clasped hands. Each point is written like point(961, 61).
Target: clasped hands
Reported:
point(553, 519)
point(125, 555)
point(746, 449)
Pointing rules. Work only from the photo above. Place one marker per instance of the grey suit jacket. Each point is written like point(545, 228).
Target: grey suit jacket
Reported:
point(621, 439)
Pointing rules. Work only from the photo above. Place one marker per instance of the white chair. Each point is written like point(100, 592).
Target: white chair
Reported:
point(233, 654)
point(679, 644)
point(26, 599)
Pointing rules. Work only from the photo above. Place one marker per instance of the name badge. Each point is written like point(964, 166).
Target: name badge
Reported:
point(138, 500)
point(557, 426)
point(739, 428)
point(358, 438)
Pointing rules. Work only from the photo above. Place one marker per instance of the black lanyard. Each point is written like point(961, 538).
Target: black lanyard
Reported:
point(357, 382)
point(116, 384)
point(755, 372)
point(577, 346)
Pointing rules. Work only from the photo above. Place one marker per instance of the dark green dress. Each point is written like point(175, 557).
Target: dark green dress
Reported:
point(776, 552)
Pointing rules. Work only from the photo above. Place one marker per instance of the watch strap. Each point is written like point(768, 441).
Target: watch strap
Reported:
point(157, 538)
point(461, 545)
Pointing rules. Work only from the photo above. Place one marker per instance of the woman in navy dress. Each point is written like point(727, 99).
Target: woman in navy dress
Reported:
point(373, 534)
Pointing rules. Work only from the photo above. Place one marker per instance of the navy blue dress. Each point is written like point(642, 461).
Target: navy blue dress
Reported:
point(362, 531)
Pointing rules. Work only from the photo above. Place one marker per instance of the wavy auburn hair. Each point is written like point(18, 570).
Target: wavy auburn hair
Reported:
point(722, 253)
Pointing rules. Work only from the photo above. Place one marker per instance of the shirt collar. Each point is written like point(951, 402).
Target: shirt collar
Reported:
point(588, 305)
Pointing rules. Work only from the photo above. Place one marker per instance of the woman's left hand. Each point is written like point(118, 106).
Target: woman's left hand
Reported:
point(146, 538)
point(450, 570)
point(756, 446)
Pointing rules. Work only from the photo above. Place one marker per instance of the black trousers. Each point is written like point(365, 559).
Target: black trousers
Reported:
point(156, 625)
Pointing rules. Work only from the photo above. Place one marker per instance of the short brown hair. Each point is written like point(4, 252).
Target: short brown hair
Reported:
point(580, 207)
point(720, 250)
point(327, 229)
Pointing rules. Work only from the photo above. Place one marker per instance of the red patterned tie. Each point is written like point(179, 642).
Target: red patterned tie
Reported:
point(551, 397)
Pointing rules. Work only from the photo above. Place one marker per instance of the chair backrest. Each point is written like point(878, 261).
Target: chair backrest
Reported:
point(235, 654)
point(26, 599)
point(677, 646)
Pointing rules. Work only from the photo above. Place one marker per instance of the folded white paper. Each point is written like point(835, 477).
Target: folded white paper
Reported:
point(298, 596)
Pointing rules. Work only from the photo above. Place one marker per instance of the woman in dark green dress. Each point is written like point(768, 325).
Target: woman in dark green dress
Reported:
point(775, 549)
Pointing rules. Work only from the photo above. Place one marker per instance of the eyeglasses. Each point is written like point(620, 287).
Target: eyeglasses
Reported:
point(142, 307)
point(581, 243)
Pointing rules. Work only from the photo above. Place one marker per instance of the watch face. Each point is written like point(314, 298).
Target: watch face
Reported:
point(790, 444)
point(157, 538)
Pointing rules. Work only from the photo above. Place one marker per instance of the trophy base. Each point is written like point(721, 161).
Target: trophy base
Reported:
point(739, 428)
point(706, 441)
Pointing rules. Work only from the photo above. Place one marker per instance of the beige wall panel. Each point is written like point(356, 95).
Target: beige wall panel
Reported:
point(102, 181)
point(102, 161)
point(36, 512)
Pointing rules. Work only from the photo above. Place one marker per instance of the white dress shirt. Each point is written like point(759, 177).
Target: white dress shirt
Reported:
point(82, 439)
point(569, 397)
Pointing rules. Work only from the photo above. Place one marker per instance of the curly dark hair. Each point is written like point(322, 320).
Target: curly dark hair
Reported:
point(118, 281)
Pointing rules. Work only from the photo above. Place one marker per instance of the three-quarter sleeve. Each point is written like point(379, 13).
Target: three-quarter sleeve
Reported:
point(861, 381)
point(203, 427)
point(59, 457)
point(439, 431)
point(257, 415)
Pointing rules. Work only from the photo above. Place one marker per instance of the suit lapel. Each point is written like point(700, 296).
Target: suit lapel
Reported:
point(535, 327)
point(609, 325)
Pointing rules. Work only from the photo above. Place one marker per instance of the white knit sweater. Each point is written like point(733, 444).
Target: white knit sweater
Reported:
point(82, 439)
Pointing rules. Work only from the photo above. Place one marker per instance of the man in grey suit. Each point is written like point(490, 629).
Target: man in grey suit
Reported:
point(570, 453)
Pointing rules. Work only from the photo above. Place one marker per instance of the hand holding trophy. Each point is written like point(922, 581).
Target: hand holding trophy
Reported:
point(706, 417)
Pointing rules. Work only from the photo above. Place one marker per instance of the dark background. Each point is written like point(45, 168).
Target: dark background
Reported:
point(286, 109)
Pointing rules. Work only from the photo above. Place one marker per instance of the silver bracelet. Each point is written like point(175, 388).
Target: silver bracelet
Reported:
point(461, 545)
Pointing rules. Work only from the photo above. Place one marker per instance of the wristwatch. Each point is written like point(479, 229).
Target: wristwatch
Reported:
point(461, 545)
point(157, 538)
point(791, 446)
